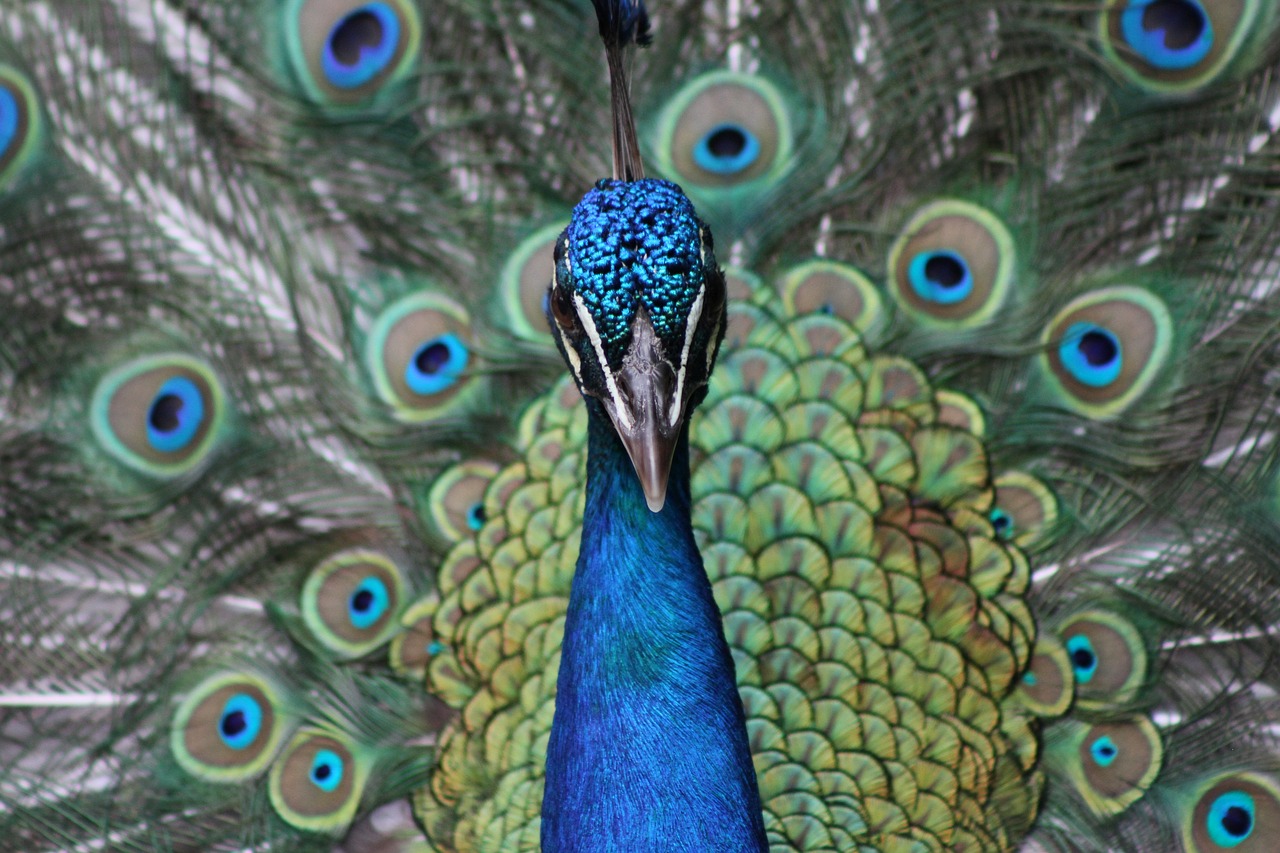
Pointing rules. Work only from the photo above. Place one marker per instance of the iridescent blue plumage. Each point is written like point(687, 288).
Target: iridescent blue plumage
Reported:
point(633, 244)
point(649, 747)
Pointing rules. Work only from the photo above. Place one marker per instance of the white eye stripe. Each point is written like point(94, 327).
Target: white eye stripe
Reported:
point(589, 326)
point(711, 343)
point(691, 327)
point(574, 362)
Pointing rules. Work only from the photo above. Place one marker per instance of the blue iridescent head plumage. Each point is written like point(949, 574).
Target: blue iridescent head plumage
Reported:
point(637, 308)
point(634, 244)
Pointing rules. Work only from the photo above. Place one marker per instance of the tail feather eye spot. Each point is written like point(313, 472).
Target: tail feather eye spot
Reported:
point(1084, 660)
point(827, 287)
point(1091, 354)
point(349, 601)
point(368, 603)
point(419, 356)
point(159, 415)
point(1238, 812)
point(1170, 34)
point(316, 783)
point(241, 721)
point(326, 770)
point(727, 149)
point(1026, 512)
point(1107, 656)
point(1047, 686)
point(1231, 818)
point(942, 277)
point(1115, 763)
point(1104, 751)
point(1002, 523)
point(1104, 349)
point(952, 264)
point(725, 130)
point(436, 365)
point(456, 502)
point(1173, 46)
point(415, 644)
point(346, 52)
point(19, 123)
point(523, 284)
point(227, 728)
point(175, 415)
point(360, 45)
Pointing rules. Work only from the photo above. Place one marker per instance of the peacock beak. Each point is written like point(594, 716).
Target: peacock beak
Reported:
point(645, 411)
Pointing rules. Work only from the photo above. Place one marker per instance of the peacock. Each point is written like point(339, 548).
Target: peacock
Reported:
point(296, 461)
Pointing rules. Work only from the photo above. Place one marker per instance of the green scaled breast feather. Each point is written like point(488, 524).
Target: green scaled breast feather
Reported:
point(878, 620)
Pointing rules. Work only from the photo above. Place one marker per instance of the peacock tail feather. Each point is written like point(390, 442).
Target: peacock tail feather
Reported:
point(986, 482)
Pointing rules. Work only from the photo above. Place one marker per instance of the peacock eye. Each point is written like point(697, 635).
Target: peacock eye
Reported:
point(1237, 812)
point(826, 287)
point(525, 275)
point(715, 293)
point(727, 149)
point(1116, 763)
point(562, 309)
point(1105, 348)
point(418, 353)
point(228, 728)
point(1107, 656)
point(1169, 46)
point(160, 415)
point(347, 52)
point(952, 264)
point(19, 123)
point(350, 600)
point(317, 782)
point(725, 130)
point(456, 500)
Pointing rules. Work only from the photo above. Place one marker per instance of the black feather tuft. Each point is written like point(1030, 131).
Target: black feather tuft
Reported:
point(623, 22)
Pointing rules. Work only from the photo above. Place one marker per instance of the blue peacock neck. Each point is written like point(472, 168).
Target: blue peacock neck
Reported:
point(648, 747)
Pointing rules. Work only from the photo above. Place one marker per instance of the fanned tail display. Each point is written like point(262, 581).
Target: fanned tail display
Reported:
point(302, 343)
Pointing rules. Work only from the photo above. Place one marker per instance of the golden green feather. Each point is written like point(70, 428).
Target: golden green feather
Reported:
point(877, 623)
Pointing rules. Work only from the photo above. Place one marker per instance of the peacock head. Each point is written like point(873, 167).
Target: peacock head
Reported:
point(637, 307)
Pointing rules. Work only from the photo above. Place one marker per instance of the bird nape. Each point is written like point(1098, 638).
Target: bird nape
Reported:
point(985, 482)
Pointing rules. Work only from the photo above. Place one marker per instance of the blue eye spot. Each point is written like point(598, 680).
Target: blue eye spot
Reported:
point(1104, 751)
point(435, 647)
point(1030, 679)
point(940, 277)
point(436, 365)
point(1231, 819)
point(326, 770)
point(175, 415)
point(1001, 523)
point(240, 722)
point(361, 45)
point(368, 602)
point(10, 119)
point(727, 149)
point(476, 516)
point(1091, 354)
point(1168, 34)
point(1083, 658)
